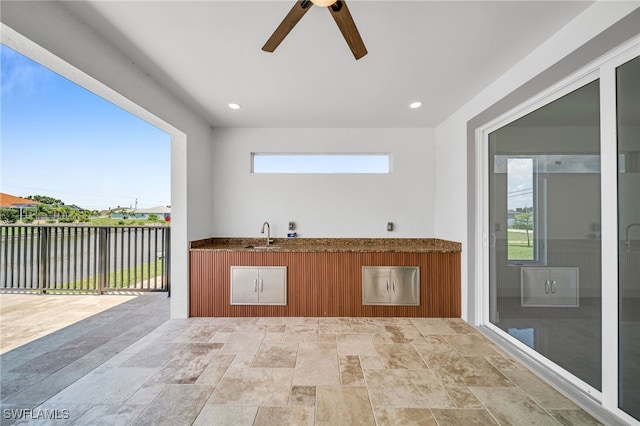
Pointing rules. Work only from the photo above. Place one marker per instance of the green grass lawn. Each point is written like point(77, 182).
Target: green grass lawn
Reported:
point(126, 278)
point(105, 221)
point(517, 245)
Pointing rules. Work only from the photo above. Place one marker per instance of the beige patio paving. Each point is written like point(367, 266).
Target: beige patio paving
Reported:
point(131, 364)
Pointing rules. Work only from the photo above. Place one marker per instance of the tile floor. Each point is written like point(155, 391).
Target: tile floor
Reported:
point(132, 365)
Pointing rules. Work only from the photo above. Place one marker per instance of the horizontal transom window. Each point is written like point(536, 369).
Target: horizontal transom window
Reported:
point(378, 163)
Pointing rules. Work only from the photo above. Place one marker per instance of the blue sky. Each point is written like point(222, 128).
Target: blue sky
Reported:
point(60, 140)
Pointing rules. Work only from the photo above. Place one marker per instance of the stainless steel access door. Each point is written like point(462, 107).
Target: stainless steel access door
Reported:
point(405, 286)
point(391, 285)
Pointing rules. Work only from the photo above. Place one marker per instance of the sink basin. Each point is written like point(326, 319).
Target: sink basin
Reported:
point(262, 247)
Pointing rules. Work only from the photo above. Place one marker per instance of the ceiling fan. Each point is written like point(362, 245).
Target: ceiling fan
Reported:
point(341, 15)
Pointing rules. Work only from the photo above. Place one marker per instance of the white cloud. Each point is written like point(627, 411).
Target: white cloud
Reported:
point(19, 74)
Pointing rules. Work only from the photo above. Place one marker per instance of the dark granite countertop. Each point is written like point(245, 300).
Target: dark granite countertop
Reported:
point(400, 245)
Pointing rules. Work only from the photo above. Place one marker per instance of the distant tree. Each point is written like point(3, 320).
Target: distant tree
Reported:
point(42, 210)
point(153, 217)
point(83, 216)
point(57, 210)
point(45, 199)
point(524, 221)
point(8, 215)
point(67, 210)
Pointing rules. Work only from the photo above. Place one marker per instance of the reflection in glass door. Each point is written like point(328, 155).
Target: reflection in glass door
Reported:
point(544, 218)
point(628, 117)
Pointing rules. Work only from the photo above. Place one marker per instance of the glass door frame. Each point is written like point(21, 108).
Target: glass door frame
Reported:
point(604, 68)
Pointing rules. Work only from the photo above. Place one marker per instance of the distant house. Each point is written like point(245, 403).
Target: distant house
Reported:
point(8, 201)
point(162, 212)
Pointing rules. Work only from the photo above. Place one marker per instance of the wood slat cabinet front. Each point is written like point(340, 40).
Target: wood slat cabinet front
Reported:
point(324, 284)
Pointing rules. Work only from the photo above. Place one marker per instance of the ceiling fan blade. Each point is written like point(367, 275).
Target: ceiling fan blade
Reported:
point(343, 18)
point(295, 14)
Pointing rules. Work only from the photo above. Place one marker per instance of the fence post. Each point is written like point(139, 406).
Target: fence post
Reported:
point(43, 261)
point(103, 262)
point(166, 263)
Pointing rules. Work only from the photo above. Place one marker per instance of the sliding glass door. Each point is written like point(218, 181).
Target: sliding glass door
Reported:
point(561, 213)
point(544, 215)
point(628, 121)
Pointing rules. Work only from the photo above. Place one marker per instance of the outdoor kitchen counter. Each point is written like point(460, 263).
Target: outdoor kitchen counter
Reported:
point(330, 245)
point(324, 276)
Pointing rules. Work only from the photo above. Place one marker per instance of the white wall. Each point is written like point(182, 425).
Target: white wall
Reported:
point(322, 205)
point(46, 32)
point(599, 28)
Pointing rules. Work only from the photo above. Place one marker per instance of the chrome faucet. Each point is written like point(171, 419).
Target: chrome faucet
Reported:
point(628, 241)
point(269, 240)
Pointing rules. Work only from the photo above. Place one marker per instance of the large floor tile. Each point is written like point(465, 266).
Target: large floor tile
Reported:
point(197, 333)
point(176, 405)
point(344, 405)
point(490, 374)
point(298, 333)
point(317, 365)
point(226, 415)
point(405, 333)
point(334, 326)
point(454, 370)
point(186, 366)
point(510, 406)
point(575, 417)
point(276, 355)
point(367, 325)
point(109, 415)
point(303, 395)
point(471, 345)
point(242, 343)
point(392, 416)
point(351, 371)
point(400, 355)
point(355, 344)
point(462, 397)
point(215, 370)
point(429, 326)
point(253, 386)
point(299, 416)
point(479, 417)
point(540, 392)
point(406, 388)
point(106, 386)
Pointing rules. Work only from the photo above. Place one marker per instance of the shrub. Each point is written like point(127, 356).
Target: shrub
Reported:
point(66, 220)
point(8, 215)
point(28, 219)
point(153, 217)
point(121, 222)
point(51, 221)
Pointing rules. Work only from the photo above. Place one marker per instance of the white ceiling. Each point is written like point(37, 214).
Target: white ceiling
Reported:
point(439, 52)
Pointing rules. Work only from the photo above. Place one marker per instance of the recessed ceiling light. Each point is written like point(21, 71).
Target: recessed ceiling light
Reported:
point(415, 105)
point(234, 106)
